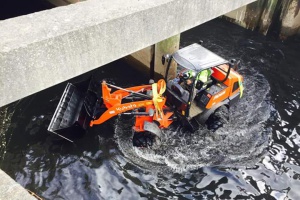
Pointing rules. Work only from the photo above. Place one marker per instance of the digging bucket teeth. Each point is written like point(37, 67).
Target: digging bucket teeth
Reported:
point(74, 110)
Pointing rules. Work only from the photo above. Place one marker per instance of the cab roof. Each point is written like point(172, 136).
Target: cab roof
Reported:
point(197, 58)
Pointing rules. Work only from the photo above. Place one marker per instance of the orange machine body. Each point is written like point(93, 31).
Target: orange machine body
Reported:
point(233, 78)
point(114, 105)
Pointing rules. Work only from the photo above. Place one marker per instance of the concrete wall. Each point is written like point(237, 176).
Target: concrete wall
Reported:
point(150, 58)
point(167, 46)
point(142, 59)
point(290, 18)
point(9, 189)
point(42, 49)
point(281, 16)
point(267, 15)
point(247, 16)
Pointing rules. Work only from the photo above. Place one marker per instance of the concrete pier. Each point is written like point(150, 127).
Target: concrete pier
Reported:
point(282, 16)
point(42, 49)
point(150, 58)
point(290, 19)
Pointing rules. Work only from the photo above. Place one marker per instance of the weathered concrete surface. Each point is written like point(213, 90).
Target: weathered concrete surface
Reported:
point(290, 18)
point(141, 59)
point(267, 16)
point(168, 46)
point(261, 15)
point(6, 113)
point(9, 189)
point(247, 16)
point(42, 49)
point(150, 57)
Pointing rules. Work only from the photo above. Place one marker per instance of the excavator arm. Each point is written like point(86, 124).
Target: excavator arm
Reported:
point(119, 108)
point(154, 102)
point(78, 106)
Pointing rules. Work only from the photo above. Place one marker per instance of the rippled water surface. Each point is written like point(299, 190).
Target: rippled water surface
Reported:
point(255, 156)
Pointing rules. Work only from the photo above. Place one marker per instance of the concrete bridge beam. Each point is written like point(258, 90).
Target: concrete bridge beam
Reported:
point(42, 49)
point(290, 22)
point(9, 189)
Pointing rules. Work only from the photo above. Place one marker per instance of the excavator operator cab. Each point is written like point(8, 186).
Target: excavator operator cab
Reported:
point(186, 86)
point(198, 71)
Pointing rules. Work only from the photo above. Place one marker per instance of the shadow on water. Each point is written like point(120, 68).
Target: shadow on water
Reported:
point(255, 156)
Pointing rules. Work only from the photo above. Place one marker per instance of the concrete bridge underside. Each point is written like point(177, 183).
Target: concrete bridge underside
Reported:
point(42, 49)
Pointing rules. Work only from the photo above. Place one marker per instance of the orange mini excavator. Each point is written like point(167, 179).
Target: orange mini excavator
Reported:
point(204, 89)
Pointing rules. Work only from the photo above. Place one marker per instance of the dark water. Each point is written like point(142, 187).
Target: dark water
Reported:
point(15, 8)
point(256, 156)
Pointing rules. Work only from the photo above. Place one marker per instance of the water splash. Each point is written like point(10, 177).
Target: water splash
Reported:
point(241, 142)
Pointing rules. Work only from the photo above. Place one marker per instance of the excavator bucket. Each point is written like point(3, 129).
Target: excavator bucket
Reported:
point(74, 110)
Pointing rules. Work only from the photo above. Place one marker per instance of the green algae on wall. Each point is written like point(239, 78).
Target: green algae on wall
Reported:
point(253, 14)
point(149, 58)
point(267, 16)
point(167, 46)
point(6, 114)
point(247, 16)
point(290, 18)
point(281, 16)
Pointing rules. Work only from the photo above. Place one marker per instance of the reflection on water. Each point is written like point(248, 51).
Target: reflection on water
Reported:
point(232, 162)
